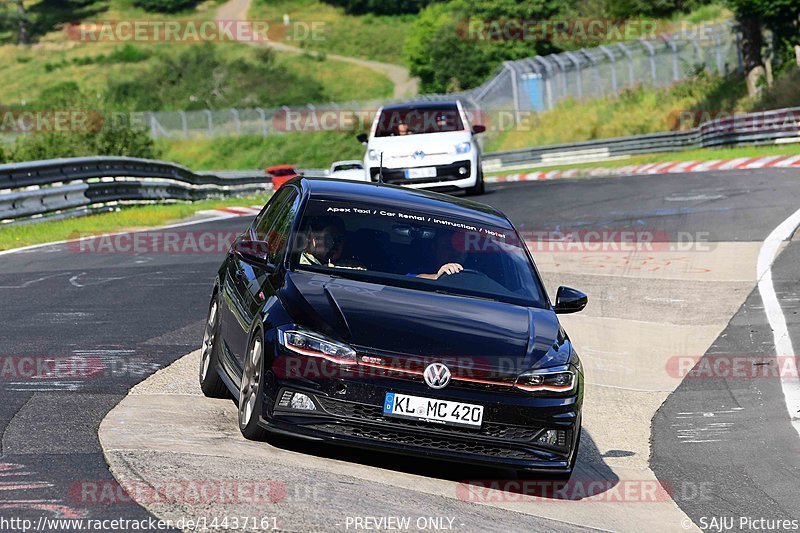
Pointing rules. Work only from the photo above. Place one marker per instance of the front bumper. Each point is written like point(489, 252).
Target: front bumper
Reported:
point(459, 174)
point(349, 412)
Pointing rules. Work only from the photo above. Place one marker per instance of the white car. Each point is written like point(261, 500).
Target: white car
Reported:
point(348, 170)
point(424, 145)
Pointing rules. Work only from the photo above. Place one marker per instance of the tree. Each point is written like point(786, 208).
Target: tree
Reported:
point(22, 22)
point(456, 45)
point(780, 17)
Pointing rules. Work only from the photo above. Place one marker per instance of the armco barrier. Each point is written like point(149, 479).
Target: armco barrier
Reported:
point(766, 127)
point(39, 188)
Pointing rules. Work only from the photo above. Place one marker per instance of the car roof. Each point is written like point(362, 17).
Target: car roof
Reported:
point(423, 105)
point(397, 197)
point(347, 162)
point(281, 167)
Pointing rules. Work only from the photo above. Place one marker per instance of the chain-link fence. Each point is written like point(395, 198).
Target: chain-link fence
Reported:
point(526, 85)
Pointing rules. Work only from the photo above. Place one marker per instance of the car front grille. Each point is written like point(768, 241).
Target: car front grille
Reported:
point(423, 441)
point(374, 413)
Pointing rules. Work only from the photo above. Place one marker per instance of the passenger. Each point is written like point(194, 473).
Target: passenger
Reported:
point(325, 242)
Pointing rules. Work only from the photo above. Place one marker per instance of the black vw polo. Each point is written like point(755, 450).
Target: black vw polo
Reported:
point(383, 317)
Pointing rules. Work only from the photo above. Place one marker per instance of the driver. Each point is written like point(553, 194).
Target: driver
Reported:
point(325, 242)
point(447, 255)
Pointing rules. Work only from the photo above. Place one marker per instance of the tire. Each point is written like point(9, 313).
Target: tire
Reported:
point(210, 382)
point(479, 188)
point(250, 390)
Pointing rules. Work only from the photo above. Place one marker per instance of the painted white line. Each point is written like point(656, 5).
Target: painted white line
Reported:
point(772, 307)
point(89, 237)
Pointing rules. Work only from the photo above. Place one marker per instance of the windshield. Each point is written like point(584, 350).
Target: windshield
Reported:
point(415, 249)
point(417, 120)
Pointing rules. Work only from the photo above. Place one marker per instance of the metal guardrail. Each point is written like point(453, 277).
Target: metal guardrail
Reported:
point(780, 126)
point(79, 185)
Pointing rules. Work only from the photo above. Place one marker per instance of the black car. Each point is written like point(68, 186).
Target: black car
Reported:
point(388, 318)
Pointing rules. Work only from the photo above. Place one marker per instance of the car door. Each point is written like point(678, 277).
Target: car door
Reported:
point(235, 291)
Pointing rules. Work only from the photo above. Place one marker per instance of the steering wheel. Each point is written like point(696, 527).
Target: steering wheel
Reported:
point(466, 271)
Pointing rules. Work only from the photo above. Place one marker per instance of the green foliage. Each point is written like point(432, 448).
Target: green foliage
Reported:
point(99, 132)
point(627, 9)
point(450, 48)
point(380, 7)
point(166, 6)
point(199, 78)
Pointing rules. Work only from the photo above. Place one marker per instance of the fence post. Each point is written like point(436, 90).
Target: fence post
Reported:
point(236, 122)
point(613, 59)
point(263, 116)
point(629, 61)
point(562, 67)
point(184, 125)
point(595, 71)
point(651, 52)
point(572, 57)
point(514, 92)
point(674, 47)
point(210, 122)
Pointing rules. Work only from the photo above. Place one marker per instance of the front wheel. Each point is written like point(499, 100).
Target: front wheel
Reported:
point(250, 401)
point(479, 187)
point(210, 382)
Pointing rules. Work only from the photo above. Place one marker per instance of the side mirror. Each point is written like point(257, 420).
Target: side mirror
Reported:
point(478, 128)
point(362, 138)
point(569, 301)
point(254, 252)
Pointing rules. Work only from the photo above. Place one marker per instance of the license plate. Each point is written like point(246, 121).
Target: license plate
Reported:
point(423, 172)
point(433, 410)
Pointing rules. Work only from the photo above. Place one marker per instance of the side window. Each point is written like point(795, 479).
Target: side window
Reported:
point(278, 237)
point(267, 217)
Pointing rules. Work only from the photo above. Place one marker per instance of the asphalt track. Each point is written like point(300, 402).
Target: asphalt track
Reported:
point(132, 314)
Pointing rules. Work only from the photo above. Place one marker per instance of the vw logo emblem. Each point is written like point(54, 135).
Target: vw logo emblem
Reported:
point(437, 375)
point(419, 154)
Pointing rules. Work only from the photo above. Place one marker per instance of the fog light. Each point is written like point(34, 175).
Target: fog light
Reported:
point(462, 170)
point(301, 401)
point(553, 437)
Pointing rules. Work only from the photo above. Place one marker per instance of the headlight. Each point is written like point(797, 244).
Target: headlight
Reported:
point(463, 148)
point(373, 155)
point(561, 379)
point(316, 345)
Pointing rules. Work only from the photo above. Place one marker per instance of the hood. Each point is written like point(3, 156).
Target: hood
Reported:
point(428, 143)
point(399, 325)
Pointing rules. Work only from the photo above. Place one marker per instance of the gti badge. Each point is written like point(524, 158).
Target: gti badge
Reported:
point(418, 155)
point(437, 375)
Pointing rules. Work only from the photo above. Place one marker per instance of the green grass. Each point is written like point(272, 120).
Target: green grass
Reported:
point(306, 150)
point(703, 154)
point(130, 217)
point(374, 37)
point(643, 110)
point(26, 71)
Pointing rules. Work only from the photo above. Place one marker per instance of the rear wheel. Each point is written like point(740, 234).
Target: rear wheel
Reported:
point(250, 400)
point(210, 382)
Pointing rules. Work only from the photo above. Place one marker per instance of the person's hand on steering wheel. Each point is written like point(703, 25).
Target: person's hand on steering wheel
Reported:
point(449, 268)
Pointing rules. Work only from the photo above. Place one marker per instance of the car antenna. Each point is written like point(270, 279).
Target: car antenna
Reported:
point(380, 170)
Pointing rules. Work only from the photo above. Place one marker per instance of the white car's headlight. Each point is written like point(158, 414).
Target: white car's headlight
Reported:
point(316, 345)
point(463, 148)
point(373, 155)
point(560, 379)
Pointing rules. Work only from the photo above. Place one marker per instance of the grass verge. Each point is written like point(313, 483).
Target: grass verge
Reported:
point(129, 217)
point(306, 150)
